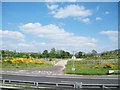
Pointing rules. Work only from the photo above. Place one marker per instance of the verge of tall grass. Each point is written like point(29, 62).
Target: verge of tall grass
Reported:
point(84, 68)
point(23, 65)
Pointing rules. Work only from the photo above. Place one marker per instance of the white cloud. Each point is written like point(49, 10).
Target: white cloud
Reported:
point(50, 36)
point(112, 35)
point(48, 31)
point(71, 11)
point(71, 0)
point(77, 0)
point(109, 33)
point(11, 35)
point(107, 12)
point(86, 20)
point(58, 37)
point(49, 0)
point(52, 7)
point(10, 39)
point(61, 0)
point(98, 18)
point(32, 46)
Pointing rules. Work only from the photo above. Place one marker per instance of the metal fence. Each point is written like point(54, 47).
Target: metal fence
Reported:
point(67, 85)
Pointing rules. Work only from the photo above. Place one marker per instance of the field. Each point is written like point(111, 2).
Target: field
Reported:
point(91, 67)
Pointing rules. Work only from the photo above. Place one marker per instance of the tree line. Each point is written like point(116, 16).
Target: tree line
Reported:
point(60, 54)
point(45, 54)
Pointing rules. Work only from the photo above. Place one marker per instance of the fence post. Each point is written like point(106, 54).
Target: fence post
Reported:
point(103, 87)
point(74, 85)
point(3, 82)
point(9, 81)
point(57, 84)
point(36, 84)
point(78, 86)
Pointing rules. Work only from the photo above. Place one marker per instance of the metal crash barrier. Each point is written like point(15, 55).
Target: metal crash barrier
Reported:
point(68, 85)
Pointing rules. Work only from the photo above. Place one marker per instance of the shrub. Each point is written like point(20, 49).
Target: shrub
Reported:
point(50, 59)
point(108, 66)
point(5, 60)
point(96, 66)
point(30, 61)
point(24, 60)
point(39, 62)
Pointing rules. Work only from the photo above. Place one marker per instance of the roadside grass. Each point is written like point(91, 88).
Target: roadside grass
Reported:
point(83, 68)
point(12, 63)
point(23, 65)
point(24, 87)
point(8, 65)
point(19, 86)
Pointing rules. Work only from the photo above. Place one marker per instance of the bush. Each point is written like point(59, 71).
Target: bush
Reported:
point(39, 62)
point(50, 59)
point(23, 60)
point(108, 66)
point(96, 66)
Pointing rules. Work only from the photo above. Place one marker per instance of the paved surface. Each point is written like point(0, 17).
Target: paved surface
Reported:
point(83, 79)
point(55, 74)
point(62, 63)
point(36, 71)
point(55, 70)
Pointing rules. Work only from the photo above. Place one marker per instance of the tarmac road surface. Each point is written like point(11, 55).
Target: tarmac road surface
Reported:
point(55, 70)
point(83, 79)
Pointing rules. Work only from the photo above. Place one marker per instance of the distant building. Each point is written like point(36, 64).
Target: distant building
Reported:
point(73, 57)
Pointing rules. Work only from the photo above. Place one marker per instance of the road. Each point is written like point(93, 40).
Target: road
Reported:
point(55, 70)
point(55, 74)
point(67, 78)
point(62, 63)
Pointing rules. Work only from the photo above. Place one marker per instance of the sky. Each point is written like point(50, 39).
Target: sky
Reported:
point(60, 0)
point(71, 26)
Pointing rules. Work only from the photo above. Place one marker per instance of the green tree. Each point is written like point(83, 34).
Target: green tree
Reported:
point(62, 54)
point(52, 53)
point(45, 54)
point(67, 55)
point(4, 53)
point(79, 55)
point(94, 52)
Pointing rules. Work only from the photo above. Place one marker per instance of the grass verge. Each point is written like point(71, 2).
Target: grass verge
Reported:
point(81, 68)
point(23, 65)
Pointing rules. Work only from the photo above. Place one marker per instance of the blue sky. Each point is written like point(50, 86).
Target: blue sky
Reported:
point(79, 26)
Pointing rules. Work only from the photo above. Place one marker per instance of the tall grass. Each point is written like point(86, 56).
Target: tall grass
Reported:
point(89, 68)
